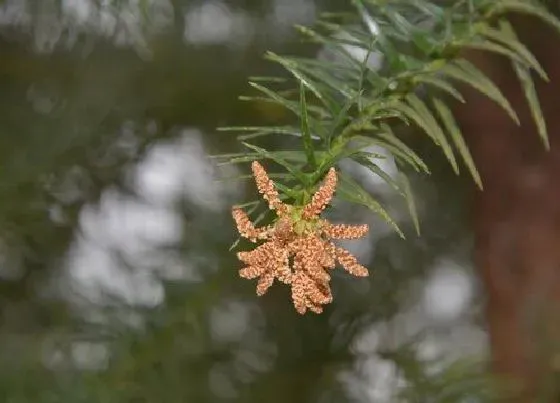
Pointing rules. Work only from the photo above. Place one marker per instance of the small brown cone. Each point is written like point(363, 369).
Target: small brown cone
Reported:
point(266, 188)
point(350, 263)
point(322, 197)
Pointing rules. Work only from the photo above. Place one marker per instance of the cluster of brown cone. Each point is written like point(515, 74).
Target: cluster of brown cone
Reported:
point(298, 249)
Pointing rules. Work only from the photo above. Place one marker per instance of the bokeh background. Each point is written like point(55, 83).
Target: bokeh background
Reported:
point(116, 279)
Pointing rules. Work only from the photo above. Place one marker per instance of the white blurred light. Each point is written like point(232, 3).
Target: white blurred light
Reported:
point(159, 177)
point(96, 274)
point(368, 340)
point(447, 293)
point(179, 169)
point(14, 13)
point(128, 225)
point(53, 23)
point(201, 186)
point(90, 356)
point(78, 10)
point(287, 13)
point(373, 380)
point(214, 23)
point(229, 322)
point(123, 227)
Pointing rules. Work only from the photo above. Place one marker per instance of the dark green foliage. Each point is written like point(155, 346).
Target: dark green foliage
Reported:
point(349, 99)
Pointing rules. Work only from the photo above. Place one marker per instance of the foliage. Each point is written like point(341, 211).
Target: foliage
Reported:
point(345, 106)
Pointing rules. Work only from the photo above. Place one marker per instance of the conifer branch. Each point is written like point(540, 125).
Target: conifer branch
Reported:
point(345, 106)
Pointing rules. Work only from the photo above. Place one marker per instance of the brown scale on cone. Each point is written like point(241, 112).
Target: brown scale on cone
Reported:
point(301, 235)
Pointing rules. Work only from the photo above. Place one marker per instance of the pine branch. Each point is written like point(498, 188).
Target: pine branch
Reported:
point(339, 102)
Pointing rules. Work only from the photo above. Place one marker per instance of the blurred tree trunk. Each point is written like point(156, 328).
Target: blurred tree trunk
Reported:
point(517, 216)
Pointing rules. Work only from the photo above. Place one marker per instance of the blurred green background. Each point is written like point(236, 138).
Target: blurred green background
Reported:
point(116, 283)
